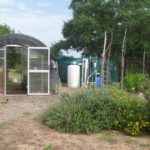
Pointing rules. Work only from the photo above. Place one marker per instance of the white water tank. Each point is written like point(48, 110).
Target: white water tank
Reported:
point(73, 76)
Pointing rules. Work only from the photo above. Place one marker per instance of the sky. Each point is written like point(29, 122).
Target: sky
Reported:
point(42, 19)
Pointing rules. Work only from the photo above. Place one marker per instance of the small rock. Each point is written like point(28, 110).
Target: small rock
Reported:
point(141, 96)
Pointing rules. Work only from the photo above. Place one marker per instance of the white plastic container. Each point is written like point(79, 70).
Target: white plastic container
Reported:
point(73, 76)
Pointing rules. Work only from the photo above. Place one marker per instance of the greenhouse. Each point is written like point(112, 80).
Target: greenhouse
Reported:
point(24, 65)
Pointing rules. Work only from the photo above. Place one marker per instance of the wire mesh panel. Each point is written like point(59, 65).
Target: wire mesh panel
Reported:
point(38, 71)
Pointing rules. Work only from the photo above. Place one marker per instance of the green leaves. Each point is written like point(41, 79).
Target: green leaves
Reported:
point(85, 31)
point(134, 81)
point(4, 28)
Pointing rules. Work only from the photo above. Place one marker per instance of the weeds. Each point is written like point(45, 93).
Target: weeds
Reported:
point(129, 140)
point(2, 125)
point(48, 147)
point(109, 138)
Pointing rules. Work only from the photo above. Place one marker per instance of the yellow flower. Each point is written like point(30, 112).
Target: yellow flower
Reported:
point(137, 123)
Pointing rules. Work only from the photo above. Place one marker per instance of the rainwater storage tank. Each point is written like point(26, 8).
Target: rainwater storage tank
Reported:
point(73, 76)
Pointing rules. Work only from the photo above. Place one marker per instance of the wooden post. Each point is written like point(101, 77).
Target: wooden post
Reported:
point(123, 59)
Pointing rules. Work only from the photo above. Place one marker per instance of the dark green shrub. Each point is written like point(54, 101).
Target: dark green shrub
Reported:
point(134, 81)
point(88, 112)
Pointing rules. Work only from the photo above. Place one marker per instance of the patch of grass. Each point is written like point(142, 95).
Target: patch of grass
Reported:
point(2, 125)
point(3, 102)
point(27, 113)
point(48, 147)
point(1, 105)
point(107, 137)
point(129, 140)
point(110, 137)
point(144, 144)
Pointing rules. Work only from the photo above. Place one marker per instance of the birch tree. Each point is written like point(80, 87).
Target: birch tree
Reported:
point(123, 58)
point(103, 59)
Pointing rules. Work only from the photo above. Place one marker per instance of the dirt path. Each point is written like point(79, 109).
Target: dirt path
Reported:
point(21, 129)
point(15, 106)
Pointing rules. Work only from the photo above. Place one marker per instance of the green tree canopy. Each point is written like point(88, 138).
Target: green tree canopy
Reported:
point(4, 29)
point(85, 31)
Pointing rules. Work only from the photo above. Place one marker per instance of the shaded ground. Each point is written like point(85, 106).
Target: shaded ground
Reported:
point(21, 129)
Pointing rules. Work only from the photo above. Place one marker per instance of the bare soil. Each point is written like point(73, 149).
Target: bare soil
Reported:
point(21, 129)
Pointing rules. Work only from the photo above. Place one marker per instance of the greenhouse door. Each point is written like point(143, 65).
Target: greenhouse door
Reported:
point(38, 70)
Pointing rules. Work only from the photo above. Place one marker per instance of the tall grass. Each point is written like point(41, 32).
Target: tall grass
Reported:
point(82, 112)
point(87, 112)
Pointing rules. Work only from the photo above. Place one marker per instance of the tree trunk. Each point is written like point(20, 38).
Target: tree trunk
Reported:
point(123, 59)
point(103, 60)
point(144, 61)
point(109, 51)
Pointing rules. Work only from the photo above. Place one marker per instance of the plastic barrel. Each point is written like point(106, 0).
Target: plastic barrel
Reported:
point(98, 81)
point(74, 76)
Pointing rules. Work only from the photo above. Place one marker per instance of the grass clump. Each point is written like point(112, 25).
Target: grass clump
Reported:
point(109, 138)
point(87, 111)
point(82, 112)
point(27, 113)
point(48, 147)
point(2, 125)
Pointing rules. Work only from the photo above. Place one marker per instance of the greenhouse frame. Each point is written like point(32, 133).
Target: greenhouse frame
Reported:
point(24, 65)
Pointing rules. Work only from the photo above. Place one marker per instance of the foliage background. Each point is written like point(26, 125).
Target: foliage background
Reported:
point(85, 31)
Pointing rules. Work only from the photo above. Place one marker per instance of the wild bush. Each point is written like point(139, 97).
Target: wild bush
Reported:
point(89, 111)
point(134, 81)
point(131, 116)
point(83, 112)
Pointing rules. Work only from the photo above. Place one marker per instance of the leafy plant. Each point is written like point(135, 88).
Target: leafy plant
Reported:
point(131, 117)
point(134, 81)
